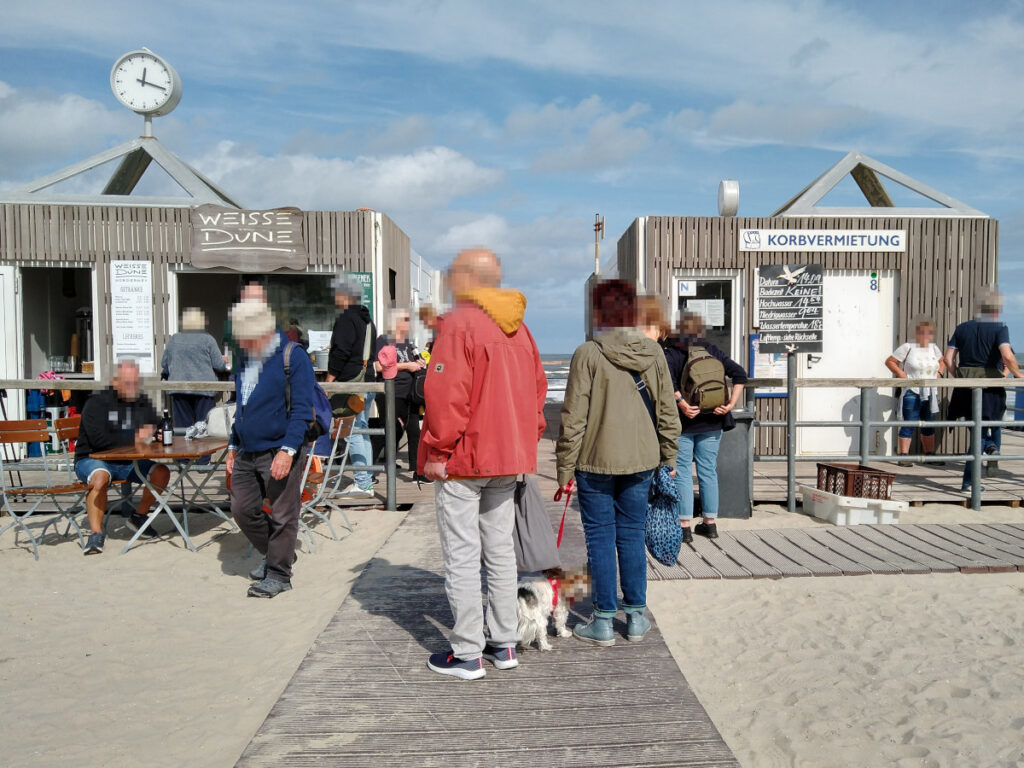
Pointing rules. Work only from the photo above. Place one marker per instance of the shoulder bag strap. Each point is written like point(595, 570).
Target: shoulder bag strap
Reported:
point(641, 387)
point(287, 377)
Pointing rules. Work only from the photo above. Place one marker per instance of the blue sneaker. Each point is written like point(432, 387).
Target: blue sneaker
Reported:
point(447, 663)
point(94, 545)
point(501, 658)
point(135, 521)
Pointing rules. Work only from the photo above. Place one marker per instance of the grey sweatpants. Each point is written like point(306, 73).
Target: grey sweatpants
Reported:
point(475, 518)
point(272, 535)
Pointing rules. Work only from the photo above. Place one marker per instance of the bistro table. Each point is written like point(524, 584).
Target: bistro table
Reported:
point(185, 454)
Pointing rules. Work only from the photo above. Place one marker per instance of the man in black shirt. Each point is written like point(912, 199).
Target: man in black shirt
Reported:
point(979, 349)
point(112, 418)
point(353, 352)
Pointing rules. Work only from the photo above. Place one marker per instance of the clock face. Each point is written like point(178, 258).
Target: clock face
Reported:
point(145, 83)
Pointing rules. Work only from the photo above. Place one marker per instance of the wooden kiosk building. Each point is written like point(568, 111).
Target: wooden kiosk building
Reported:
point(93, 276)
point(940, 254)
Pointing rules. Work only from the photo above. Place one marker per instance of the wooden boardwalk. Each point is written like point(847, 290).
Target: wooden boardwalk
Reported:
point(364, 697)
point(849, 551)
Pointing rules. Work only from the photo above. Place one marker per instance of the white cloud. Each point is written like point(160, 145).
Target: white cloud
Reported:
point(426, 179)
point(37, 127)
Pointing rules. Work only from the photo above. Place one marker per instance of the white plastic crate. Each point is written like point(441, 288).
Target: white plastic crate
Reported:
point(849, 510)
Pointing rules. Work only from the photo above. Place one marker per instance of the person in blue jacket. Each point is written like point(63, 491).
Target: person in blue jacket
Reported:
point(268, 443)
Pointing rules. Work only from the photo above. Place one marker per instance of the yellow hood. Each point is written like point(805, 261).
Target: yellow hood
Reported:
point(506, 308)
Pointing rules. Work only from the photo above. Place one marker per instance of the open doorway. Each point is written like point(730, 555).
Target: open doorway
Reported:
point(56, 321)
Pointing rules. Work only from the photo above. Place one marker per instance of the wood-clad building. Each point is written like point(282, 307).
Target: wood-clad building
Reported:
point(57, 253)
point(872, 298)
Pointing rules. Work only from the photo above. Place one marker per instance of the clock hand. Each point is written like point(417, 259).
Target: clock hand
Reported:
point(156, 86)
point(143, 78)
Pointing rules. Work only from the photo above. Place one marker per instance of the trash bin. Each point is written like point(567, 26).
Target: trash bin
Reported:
point(734, 471)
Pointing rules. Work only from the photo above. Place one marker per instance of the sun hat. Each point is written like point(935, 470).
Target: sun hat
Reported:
point(388, 359)
point(193, 319)
point(251, 320)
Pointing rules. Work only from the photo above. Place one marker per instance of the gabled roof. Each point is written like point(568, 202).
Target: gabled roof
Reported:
point(135, 155)
point(866, 172)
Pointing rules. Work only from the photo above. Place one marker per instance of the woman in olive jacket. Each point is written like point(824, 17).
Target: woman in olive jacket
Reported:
point(612, 441)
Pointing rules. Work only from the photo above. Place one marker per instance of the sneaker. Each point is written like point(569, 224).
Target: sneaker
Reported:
point(687, 535)
point(966, 488)
point(95, 544)
point(355, 492)
point(989, 450)
point(269, 587)
point(135, 521)
point(259, 573)
point(706, 529)
point(904, 464)
point(991, 469)
point(501, 658)
point(447, 663)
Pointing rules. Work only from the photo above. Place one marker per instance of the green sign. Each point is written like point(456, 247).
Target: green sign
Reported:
point(366, 279)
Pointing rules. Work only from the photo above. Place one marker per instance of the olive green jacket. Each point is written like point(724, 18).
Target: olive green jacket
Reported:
point(606, 428)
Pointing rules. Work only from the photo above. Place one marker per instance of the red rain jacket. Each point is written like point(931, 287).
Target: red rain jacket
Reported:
point(485, 390)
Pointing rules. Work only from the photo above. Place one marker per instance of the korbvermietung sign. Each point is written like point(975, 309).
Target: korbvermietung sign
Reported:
point(790, 313)
point(249, 241)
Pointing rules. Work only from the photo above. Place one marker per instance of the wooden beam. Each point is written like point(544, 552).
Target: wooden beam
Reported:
point(128, 173)
point(871, 186)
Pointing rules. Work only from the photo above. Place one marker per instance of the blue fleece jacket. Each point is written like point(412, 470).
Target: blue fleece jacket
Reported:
point(263, 424)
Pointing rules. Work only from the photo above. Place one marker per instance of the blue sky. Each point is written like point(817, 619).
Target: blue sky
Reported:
point(511, 125)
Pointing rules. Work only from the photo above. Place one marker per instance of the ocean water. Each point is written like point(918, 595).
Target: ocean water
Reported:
point(557, 369)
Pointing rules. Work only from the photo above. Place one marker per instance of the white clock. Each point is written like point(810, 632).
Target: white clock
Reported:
point(145, 83)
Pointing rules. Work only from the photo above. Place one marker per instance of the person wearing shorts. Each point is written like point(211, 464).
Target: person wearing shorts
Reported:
point(113, 418)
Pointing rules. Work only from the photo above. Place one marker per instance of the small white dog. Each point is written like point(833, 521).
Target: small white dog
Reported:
point(547, 596)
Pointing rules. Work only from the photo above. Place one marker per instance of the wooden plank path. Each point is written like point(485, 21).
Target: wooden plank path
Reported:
point(364, 697)
point(849, 551)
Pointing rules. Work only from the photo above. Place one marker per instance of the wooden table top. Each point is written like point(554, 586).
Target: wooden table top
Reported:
point(179, 449)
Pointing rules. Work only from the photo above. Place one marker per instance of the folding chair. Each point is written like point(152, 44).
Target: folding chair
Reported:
point(319, 484)
point(56, 484)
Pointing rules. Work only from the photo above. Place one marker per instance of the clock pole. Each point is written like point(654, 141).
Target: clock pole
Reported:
point(147, 129)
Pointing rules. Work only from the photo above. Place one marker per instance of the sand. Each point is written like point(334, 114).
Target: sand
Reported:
point(157, 658)
point(857, 671)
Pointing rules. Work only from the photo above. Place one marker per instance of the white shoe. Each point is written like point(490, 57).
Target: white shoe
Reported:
point(355, 492)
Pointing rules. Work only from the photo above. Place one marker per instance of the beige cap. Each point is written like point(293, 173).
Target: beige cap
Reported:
point(252, 320)
point(193, 319)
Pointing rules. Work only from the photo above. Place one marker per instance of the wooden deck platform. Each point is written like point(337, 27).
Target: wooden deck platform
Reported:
point(848, 551)
point(364, 697)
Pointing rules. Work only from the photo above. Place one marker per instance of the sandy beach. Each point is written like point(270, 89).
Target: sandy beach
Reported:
point(157, 658)
point(923, 670)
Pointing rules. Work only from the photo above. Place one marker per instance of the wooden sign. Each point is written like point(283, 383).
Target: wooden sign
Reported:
point(249, 241)
point(790, 313)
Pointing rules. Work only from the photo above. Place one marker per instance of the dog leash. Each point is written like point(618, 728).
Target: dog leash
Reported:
point(568, 498)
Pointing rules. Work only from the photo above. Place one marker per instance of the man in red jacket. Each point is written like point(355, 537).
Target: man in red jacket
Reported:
point(484, 392)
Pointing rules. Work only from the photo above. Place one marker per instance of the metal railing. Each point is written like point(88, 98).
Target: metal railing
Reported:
point(868, 389)
point(387, 388)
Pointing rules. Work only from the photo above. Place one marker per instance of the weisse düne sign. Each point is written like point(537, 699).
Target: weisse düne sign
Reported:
point(789, 307)
point(249, 241)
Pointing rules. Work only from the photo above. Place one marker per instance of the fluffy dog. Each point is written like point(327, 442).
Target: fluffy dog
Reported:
point(541, 597)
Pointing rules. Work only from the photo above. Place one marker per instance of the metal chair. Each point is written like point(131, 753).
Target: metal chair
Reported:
point(56, 483)
point(325, 482)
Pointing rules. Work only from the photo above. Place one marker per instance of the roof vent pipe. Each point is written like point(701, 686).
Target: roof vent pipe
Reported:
point(728, 197)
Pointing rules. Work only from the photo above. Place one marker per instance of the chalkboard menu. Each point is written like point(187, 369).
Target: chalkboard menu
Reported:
point(789, 308)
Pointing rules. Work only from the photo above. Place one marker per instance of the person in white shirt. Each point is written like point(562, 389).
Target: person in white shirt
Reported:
point(918, 359)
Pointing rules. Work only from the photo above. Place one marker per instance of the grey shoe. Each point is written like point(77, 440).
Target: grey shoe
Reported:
point(259, 573)
point(597, 631)
point(269, 587)
point(94, 545)
point(637, 625)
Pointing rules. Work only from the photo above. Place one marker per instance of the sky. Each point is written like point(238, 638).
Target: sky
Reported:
point(510, 125)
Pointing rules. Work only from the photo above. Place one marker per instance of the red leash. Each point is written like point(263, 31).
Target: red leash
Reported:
point(568, 498)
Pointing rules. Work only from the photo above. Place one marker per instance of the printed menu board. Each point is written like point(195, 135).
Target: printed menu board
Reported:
point(131, 312)
point(790, 313)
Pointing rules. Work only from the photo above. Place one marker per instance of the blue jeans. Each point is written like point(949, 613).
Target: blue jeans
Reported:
point(916, 409)
point(614, 513)
point(359, 450)
point(702, 447)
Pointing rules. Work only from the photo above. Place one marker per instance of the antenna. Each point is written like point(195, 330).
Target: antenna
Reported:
point(598, 237)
